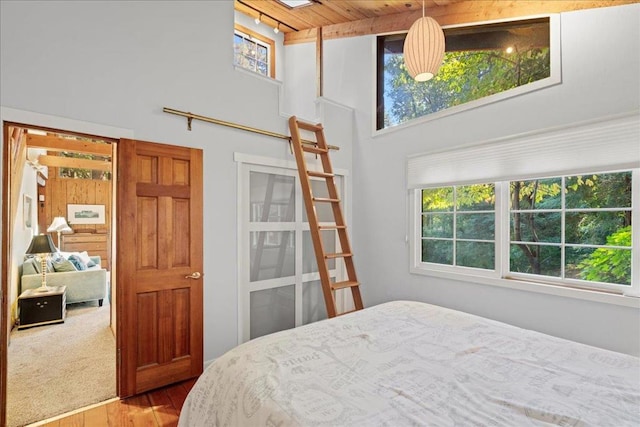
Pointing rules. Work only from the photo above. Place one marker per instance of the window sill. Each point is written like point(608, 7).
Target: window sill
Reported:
point(542, 288)
point(257, 75)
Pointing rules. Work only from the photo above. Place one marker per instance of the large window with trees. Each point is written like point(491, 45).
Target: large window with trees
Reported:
point(573, 230)
point(572, 227)
point(482, 63)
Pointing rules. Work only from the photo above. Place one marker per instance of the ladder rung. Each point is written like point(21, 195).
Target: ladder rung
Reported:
point(314, 149)
point(338, 255)
point(309, 126)
point(325, 200)
point(342, 285)
point(332, 227)
point(320, 174)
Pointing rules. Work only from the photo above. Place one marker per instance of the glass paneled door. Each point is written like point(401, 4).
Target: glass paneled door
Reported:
point(278, 274)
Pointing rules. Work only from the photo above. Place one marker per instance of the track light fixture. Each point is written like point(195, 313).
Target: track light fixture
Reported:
point(258, 19)
point(277, 29)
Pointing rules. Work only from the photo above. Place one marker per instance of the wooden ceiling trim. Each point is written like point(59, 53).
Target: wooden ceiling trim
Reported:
point(75, 163)
point(54, 143)
point(302, 36)
point(451, 14)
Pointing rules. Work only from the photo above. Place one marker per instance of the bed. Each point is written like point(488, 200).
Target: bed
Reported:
point(407, 363)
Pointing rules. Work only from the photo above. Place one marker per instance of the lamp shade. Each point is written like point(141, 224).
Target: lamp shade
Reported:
point(41, 244)
point(59, 224)
point(424, 49)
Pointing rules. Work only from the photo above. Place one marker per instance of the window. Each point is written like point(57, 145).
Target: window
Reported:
point(458, 226)
point(85, 173)
point(567, 205)
point(254, 52)
point(574, 230)
point(480, 62)
point(572, 227)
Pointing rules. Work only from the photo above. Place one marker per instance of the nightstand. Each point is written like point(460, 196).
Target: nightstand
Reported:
point(42, 308)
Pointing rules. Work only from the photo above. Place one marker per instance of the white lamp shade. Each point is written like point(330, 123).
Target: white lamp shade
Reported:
point(424, 49)
point(59, 224)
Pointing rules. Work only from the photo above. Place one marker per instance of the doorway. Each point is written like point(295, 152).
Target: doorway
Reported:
point(52, 179)
point(159, 181)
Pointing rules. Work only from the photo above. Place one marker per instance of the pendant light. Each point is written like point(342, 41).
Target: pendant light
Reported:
point(424, 48)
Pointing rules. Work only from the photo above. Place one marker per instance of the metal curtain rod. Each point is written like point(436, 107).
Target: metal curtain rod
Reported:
point(191, 116)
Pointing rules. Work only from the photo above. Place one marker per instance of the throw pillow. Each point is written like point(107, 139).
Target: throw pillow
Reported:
point(84, 256)
point(57, 256)
point(77, 262)
point(61, 264)
point(50, 268)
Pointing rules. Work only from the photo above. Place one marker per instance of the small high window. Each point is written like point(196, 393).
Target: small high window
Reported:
point(480, 62)
point(254, 52)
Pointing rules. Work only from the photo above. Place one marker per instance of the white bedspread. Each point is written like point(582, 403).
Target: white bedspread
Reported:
point(407, 363)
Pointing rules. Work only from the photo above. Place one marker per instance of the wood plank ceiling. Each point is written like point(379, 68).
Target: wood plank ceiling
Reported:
point(320, 13)
point(347, 18)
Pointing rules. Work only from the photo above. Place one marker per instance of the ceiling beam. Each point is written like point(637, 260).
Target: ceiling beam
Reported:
point(57, 144)
point(450, 14)
point(75, 163)
point(319, 62)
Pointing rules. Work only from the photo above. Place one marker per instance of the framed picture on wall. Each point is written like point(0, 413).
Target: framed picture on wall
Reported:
point(28, 212)
point(85, 214)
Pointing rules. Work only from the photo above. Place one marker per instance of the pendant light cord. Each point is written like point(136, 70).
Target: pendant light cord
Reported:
point(423, 8)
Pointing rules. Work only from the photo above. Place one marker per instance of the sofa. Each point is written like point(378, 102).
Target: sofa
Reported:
point(85, 285)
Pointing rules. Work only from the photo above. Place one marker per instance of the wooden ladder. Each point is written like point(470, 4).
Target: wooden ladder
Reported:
point(320, 148)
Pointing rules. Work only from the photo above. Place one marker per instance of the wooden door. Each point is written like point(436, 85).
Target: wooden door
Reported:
point(158, 265)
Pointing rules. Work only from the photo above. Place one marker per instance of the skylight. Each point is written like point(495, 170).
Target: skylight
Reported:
point(295, 3)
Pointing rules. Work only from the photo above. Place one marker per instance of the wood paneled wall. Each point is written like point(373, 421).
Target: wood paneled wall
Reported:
point(59, 192)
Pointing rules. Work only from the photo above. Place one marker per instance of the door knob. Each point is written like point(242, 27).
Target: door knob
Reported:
point(195, 275)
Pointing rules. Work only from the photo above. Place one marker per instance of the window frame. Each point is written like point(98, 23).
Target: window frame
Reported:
point(474, 271)
point(608, 293)
point(554, 78)
point(258, 38)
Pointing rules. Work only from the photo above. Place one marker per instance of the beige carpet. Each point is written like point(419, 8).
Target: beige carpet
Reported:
point(57, 368)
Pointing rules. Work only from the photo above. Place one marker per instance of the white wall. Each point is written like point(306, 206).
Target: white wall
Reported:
point(600, 69)
point(300, 71)
point(118, 64)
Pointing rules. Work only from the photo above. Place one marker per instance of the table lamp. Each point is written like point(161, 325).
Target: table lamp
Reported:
point(59, 224)
point(42, 245)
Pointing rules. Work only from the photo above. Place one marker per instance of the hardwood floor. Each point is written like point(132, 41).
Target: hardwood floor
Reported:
point(159, 407)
